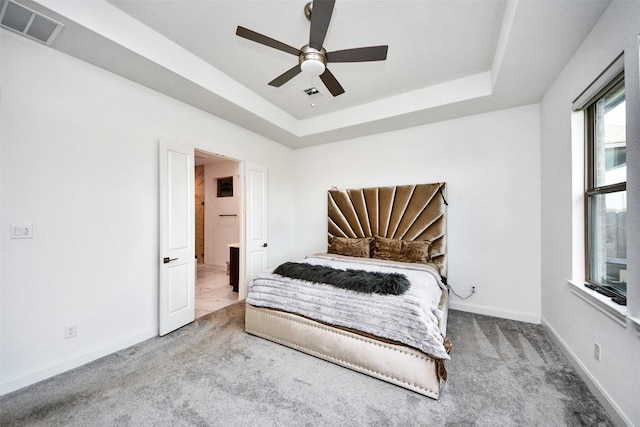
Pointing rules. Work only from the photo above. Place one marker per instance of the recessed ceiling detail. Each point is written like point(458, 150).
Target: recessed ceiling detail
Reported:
point(447, 59)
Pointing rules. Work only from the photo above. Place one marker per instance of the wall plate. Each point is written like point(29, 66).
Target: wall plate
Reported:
point(21, 231)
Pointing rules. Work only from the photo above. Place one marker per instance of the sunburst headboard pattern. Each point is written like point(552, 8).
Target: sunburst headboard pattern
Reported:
point(406, 212)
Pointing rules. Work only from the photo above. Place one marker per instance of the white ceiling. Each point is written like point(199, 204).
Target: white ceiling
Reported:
point(447, 58)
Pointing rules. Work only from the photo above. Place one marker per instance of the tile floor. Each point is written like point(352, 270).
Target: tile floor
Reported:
point(213, 291)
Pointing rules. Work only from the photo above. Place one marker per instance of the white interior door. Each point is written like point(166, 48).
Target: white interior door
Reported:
point(177, 235)
point(256, 221)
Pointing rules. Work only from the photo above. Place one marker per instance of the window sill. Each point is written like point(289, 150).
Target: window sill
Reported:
point(616, 312)
point(636, 323)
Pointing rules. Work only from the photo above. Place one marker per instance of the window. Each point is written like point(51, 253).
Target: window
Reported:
point(606, 192)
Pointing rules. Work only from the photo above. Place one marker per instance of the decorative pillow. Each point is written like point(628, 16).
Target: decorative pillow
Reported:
point(389, 249)
point(417, 251)
point(358, 247)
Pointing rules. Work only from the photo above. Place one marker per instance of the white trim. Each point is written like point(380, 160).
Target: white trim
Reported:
point(73, 361)
point(606, 77)
point(492, 311)
point(614, 411)
point(615, 312)
point(577, 195)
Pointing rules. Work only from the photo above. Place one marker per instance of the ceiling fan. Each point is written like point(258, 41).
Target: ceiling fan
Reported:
point(313, 58)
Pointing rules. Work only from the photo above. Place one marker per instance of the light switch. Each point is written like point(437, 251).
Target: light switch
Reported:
point(21, 231)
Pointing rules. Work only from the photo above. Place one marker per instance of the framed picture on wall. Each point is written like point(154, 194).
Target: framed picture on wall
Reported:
point(225, 187)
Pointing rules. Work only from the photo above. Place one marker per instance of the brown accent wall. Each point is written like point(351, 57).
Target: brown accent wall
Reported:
point(199, 211)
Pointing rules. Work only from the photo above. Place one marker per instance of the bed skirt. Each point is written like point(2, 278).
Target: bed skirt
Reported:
point(397, 364)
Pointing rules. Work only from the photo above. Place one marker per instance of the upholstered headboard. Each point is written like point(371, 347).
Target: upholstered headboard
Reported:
point(405, 212)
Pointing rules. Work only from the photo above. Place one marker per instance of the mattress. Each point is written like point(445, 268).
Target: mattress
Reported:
point(410, 318)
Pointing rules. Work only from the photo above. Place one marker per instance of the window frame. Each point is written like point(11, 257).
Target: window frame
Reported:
point(592, 190)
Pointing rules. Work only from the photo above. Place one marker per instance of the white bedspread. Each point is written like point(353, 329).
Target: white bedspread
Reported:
point(410, 318)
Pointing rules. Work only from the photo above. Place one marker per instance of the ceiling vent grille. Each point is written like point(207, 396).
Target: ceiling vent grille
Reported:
point(27, 22)
point(311, 91)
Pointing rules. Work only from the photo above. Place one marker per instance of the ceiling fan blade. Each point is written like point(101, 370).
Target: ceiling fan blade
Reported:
point(286, 76)
point(320, 18)
point(267, 41)
point(331, 83)
point(359, 54)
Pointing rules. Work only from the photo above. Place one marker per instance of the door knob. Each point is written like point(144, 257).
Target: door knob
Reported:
point(167, 260)
point(264, 245)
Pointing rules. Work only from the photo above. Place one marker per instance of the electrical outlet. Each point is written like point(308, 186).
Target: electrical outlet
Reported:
point(596, 351)
point(70, 331)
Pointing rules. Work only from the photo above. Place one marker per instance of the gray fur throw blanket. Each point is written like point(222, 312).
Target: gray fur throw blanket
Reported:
point(356, 280)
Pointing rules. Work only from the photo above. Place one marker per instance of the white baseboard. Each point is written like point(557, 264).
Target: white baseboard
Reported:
point(495, 312)
point(73, 361)
point(617, 416)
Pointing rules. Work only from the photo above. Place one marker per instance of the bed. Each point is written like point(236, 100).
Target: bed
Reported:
point(379, 233)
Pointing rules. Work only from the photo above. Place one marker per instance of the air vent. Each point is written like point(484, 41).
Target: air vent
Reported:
point(27, 22)
point(311, 91)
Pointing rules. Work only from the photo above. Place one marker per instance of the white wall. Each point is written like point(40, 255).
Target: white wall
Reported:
point(490, 163)
point(220, 230)
point(575, 323)
point(79, 162)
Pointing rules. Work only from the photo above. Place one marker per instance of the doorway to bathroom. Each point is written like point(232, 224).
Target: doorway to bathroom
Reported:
point(217, 230)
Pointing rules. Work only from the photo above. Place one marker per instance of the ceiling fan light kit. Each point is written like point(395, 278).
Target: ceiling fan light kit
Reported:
point(313, 58)
point(312, 61)
point(312, 67)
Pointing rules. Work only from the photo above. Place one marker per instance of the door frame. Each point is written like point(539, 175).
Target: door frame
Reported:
point(242, 286)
